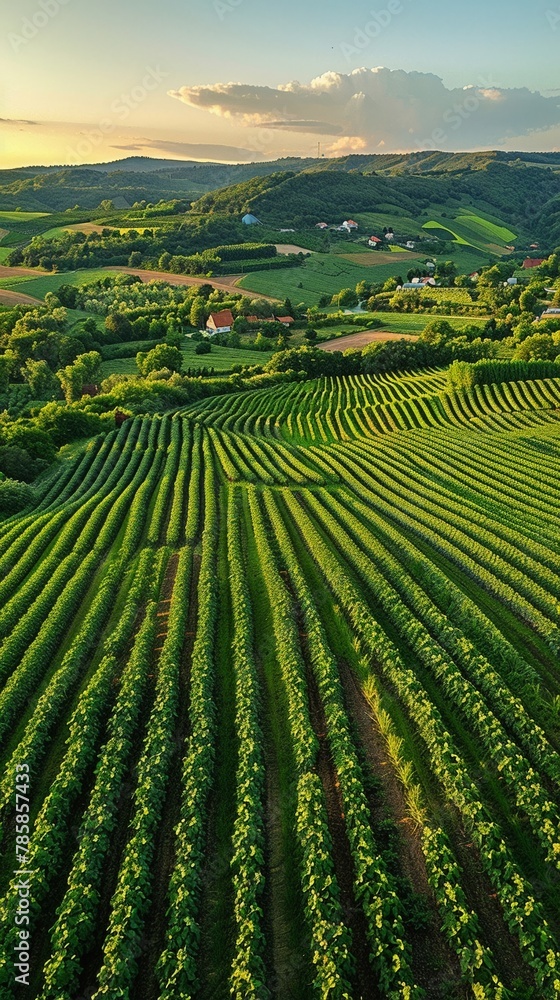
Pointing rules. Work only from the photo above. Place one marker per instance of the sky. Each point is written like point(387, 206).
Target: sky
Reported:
point(245, 80)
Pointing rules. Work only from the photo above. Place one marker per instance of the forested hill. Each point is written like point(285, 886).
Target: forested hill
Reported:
point(40, 189)
point(501, 180)
point(527, 197)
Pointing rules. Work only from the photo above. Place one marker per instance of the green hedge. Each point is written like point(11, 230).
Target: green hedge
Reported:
point(463, 375)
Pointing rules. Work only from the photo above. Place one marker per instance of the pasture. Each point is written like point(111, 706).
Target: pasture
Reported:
point(221, 359)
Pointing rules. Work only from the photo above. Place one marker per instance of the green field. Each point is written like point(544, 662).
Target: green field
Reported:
point(329, 273)
point(222, 359)
point(22, 216)
point(474, 230)
point(50, 282)
point(280, 699)
point(320, 275)
point(441, 227)
point(401, 323)
point(484, 227)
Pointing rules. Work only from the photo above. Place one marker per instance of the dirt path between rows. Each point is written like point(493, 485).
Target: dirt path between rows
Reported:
point(363, 338)
point(292, 248)
point(433, 962)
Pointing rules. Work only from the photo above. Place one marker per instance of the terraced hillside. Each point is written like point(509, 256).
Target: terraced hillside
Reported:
point(280, 713)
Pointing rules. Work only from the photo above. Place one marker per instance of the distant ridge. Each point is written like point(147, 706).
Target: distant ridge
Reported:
point(522, 188)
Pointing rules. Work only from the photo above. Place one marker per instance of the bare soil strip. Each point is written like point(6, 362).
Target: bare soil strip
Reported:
point(433, 963)
point(226, 283)
point(18, 298)
point(362, 339)
point(21, 272)
point(286, 248)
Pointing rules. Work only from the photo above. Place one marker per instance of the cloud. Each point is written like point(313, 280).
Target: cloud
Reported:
point(193, 150)
point(348, 144)
point(323, 128)
point(393, 108)
point(17, 121)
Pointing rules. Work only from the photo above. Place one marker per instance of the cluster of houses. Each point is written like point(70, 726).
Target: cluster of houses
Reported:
point(222, 322)
point(417, 284)
point(348, 226)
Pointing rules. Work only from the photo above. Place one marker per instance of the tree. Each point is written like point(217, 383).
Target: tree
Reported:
point(363, 290)
point(157, 329)
point(162, 356)
point(16, 463)
point(197, 316)
point(119, 327)
point(347, 298)
point(437, 332)
point(240, 325)
point(14, 496)
point(261, 343)
point(288, 308)
point(52, 301)
point(204, 347)
point(539, 347)
point(391, 284)
point(73, 377)
point(310, 334)
point(174, 337)
point(8, 362)
point(527, 300)
point(69, 423)
point(41, 381)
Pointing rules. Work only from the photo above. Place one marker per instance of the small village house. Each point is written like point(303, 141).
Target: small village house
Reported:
point(220, 322)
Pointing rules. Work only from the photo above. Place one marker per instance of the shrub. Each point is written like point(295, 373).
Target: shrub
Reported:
point(14, 496)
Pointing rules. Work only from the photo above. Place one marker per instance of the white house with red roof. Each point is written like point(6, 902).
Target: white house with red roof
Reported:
point(220, 322)
point(374, 241)
point(350, 225)
point(533, 262)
